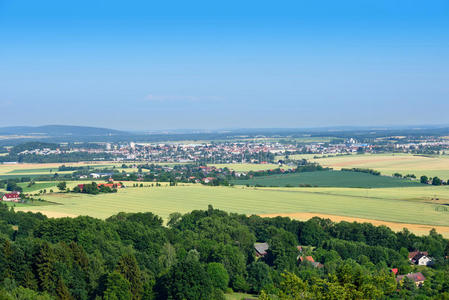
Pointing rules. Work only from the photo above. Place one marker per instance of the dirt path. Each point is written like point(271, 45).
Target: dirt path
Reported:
point(419, 229)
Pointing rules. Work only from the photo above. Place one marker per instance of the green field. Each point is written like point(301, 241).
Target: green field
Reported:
point(329, 179)
point(239, 296)
point(402, 204)
point(391, 163)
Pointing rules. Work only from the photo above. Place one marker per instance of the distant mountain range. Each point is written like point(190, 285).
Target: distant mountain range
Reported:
point(59, 130)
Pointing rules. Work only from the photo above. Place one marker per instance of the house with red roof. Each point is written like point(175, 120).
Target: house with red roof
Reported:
point(418, 278)
point(309, 259)
point(208, 179)
point(11, 197)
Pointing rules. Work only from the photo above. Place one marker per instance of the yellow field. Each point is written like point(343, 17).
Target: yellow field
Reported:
point(388, 164)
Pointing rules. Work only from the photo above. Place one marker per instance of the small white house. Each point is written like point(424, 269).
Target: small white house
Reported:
point(424, 261)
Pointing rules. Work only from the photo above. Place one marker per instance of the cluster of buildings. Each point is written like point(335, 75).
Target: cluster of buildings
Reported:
point(251, 151)
point(419, 258)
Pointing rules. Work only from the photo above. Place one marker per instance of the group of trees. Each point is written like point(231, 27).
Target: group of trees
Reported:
point(93, 189)
point(433, 181)
point(203, 254)
point(362, 170)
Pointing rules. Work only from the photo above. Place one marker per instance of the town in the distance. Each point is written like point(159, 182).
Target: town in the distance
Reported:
point(357, 212)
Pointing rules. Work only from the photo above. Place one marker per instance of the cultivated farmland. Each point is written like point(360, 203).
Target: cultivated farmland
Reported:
point(415, 205)
point(391, 163)
point(328, 179)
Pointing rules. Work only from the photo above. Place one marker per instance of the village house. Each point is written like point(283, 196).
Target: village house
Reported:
point(420, 258)
point(208, 179)
point(309, 259)
point(261, 249)
point(418, 278)
point(11, 197)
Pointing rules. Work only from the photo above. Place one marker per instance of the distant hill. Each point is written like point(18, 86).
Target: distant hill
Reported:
point(59, 130)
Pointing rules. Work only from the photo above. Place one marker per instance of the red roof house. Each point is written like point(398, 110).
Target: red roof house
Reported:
point(418, 278)
point(11, 197)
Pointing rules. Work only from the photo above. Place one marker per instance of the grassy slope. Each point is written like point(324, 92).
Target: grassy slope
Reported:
point(389, 204)
point(329, 179)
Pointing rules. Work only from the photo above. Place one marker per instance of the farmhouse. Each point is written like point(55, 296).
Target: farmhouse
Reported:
point(11, 197)
point(418, 278)
point(261, 249)
point(420, 258)
point(309, 259)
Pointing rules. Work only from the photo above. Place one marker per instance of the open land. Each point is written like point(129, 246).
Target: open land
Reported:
point(328, 179)
point(389, 164)
point(407, 205)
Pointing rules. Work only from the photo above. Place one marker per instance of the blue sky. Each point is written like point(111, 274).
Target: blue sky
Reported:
point(204, 64)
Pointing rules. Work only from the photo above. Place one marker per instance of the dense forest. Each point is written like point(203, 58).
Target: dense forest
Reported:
point(204, 254)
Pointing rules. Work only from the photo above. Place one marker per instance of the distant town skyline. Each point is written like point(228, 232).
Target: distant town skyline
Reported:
point(252, 64)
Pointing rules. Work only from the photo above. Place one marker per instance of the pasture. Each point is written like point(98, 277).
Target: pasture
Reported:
point(389, 164)
point(407, 205)
point(328, 179)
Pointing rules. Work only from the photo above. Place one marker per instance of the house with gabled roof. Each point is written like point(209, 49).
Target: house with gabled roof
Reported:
point(261, 249)
point(418, 278)
point(11, 197)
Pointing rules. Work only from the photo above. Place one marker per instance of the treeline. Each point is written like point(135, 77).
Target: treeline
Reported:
point(203, 254)
point(93, 188)
point(362, 170)
point(300, 168)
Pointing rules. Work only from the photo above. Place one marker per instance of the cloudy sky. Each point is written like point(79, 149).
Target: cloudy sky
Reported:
point(202, 64)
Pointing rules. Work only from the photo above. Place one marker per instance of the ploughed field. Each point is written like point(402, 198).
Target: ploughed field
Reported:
point(411, 205)
point(328, 179)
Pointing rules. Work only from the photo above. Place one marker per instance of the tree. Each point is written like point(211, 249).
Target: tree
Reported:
point(62, 291)
point(128, 268)
point(436, 181)
point(218, 275)
point(117, 288)
point(62, 186)
point(259, 276)
point(186, 280)
point(45, 261)
point(424, 179)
